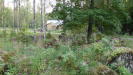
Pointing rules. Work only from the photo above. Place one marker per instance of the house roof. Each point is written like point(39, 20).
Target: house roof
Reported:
point(55, 22)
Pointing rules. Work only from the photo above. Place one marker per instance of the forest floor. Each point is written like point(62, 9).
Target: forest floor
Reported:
point(63, 58)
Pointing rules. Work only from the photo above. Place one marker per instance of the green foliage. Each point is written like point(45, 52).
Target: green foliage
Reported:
point(7, 18)
point(124, 71)
point(4, 33)
point(118, 51)
point(12, 34)
point(78, 39)
point(76, 17)
point(56, 58)
point(48, 36)
point(104, 70)
point(23, 37)
point(63, 60)
point(100, 50)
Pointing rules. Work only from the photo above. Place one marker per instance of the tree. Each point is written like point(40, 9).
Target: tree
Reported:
point(90, 22)
point(14, 15)
point(18, 14)
point(5, 15)
point(78, 14)
point(45, 20)
point(2, 7)
point(43, 17)
point(34, 18)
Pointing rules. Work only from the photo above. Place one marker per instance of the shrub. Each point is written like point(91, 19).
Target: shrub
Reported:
point(49, 36)
point(124, 71)
point(104, 70)
point(24, 38)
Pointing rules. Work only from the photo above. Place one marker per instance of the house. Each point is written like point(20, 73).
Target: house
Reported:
point(54, 24)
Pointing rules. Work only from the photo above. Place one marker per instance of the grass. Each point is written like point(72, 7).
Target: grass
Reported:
point(64, 59)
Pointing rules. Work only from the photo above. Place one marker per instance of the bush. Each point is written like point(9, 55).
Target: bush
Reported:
point(3, 34)
point(12, 34)
point(24, 38)
point(62, 60)
point(104, 70)
point(49, 36)
point(124, 71)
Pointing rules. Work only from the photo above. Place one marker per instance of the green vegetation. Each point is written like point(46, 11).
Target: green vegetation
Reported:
point(94, 38)
point(59, 58)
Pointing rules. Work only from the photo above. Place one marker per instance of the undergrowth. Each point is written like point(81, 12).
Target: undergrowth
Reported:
point(62, 60)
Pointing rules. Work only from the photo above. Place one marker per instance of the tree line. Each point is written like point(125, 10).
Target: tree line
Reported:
point(79, 16)
point(105, 16)
point(24, 14)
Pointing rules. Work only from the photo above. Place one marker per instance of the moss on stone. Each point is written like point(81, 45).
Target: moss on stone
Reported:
point(119, 51)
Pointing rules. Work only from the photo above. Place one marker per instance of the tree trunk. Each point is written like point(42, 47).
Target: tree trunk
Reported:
point(19, 15)
point(90, 22)
point(63, 1)
point(3, 7)
point(43, 18)
point(108, 3)
point(14, 16)
point(34, 18)
point(27, 12)
point(64, 21)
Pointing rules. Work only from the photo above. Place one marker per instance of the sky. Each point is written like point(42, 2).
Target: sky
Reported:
point(49, 8)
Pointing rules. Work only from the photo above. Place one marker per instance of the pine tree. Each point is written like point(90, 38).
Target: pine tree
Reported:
point(90, 22)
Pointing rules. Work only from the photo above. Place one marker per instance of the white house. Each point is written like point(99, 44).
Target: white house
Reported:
point(54, 24)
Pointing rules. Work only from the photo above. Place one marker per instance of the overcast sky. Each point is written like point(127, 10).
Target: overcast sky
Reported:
point(9, 3)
